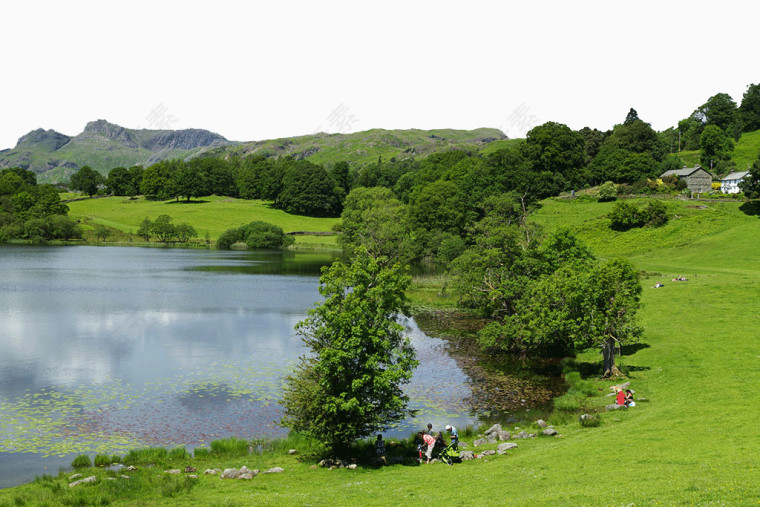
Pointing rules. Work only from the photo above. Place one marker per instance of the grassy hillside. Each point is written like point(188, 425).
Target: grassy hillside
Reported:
point(211, 214)
point(746, 151)
point(694, 441)
point(367, 146)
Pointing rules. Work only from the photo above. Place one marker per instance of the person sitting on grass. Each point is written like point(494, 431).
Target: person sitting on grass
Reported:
point(380, 448)
point(620, 396)
point(430, 442)
point(629, 398)
point(454, 436)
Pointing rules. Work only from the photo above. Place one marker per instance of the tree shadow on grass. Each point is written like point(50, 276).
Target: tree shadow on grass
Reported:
point(632, 348)
point(199, 201)
point(751, 208)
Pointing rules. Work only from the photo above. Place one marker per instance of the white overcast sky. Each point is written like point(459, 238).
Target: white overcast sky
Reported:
point(260, 70)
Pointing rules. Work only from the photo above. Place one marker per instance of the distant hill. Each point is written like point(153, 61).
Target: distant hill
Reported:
point(366, 146)
point(103, 146)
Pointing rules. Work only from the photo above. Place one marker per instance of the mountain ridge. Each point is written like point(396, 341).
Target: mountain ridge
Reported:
point(103, 145)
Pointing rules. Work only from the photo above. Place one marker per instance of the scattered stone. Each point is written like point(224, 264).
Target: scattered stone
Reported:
point(189, 470)
point(131, 468)
point(504, 435)
point(489, 452)
point(173, 471)
point(532, 435)
point(541, 423)
point(110, 478)
point(506, 446)
point(522, 434)
point(124, 476)
point(208, 471)
point(352, 466)
point(244, 470)
point(549, 432)
point(192, 476)
point(313, 467)
point(230, 473)
point(614, 406)
point(466, 455)
point(493, 429)
point(275, 470)
point(586, 416)
point(292, 451)
point(480, 441)
point(86, 480)
point(247, 475)
point(75, 476)
point(463, 445)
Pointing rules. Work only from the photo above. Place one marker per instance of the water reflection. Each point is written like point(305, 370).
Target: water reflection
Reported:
point(105, 349)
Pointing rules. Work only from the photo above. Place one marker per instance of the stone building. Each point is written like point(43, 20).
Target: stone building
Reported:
point(697, 179)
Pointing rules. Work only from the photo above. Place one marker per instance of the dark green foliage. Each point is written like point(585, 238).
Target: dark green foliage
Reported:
point(256, 234)
point(349, 387)
point(720, 110)
point(714, 145)
point(27, 176)
point(555, 148)
point(307, 189)
point(81, 461)
point(750, 185)
point(183, 232)
point(145, 229)
point(102, 232)
point(157, 179)
point(749, 110)
point(162, 228)
point(86, 180)
point(625, 216)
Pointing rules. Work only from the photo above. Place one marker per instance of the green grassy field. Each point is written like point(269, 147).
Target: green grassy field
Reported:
point(694, 441)
point(211, 214)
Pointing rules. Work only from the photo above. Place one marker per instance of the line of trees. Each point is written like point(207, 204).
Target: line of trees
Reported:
point(165, 231)
point(31, 211)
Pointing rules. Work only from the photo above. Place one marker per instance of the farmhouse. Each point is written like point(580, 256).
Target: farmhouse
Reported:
point(697, 179)
point(730, 184)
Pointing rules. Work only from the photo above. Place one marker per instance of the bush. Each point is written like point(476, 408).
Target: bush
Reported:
point(655, 214)
point(81, 461)
point(145, 456)
point(624, 216)
point(256, 234)
point(607, 192)
point(102, 460)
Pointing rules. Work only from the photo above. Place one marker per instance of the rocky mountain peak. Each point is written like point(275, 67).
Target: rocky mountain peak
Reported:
point(103, 128)
point(50, 140)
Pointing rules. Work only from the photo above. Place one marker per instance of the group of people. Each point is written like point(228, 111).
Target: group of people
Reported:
point(624, 397)
point(430, 440)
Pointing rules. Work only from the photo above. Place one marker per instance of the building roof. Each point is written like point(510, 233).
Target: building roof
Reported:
point(686, 171)
point(735, 175)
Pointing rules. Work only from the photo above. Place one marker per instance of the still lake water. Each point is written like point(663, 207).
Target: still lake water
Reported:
point(105, 349)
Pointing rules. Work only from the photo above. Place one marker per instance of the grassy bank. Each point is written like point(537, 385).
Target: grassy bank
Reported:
point(694, 441)
point(212, 215)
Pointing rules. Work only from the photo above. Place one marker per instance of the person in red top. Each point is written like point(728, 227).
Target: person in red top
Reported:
point(430, 442)
point(620, 396)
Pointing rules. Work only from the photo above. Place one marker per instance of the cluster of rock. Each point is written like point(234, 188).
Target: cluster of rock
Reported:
point(243, 472)
point(495, 434)
point(332, 464)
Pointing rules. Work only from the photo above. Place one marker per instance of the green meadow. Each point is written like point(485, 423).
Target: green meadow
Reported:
point(692, 439)
point(211, 214)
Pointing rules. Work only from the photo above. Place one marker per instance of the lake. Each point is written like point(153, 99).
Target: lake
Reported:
point(105, 349)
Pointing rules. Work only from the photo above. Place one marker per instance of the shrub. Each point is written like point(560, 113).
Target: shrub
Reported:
point(256, 234)
point(655, 214)
point(589, 420)
point(607, 192)
point(102, 460)
point(624, 216)
point(81, 461)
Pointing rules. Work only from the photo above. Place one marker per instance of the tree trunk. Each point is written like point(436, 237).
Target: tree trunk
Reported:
point(608, 353)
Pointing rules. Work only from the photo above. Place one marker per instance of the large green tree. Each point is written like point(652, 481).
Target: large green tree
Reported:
point(714, 145)
point(86, 180)
point(720, 110)
point(307, 189)
point(750, 185)
point(749, 110)
point(350, 385)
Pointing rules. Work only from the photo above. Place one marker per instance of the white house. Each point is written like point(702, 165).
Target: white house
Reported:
point(730, 184)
